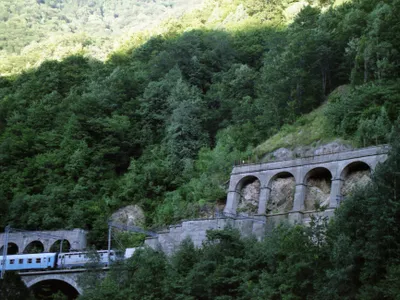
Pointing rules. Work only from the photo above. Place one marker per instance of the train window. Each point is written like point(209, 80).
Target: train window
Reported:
point(12, 261)
point(38, 260)
point(29, 260)
point(111, 254)
point(101, 254)
point(21, 261)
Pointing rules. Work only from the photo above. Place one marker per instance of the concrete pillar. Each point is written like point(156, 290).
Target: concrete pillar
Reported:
point(336, 187)
point(20, 248)
point(299, 197)
point(232, 202)
point(47, 247)
point(265, 192)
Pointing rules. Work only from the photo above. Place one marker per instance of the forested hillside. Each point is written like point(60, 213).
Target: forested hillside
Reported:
point(32, 31)
point(160, 122)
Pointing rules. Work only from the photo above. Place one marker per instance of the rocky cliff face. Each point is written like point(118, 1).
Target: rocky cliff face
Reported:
point(249, 197)
point(282, 195)
point(318, 191)
point(129, 215)
point(354, 180)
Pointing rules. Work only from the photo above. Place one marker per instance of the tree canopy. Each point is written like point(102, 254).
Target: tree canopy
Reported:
point(161, 121)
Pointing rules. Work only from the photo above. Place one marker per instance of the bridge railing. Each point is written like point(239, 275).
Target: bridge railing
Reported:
point(255, 159)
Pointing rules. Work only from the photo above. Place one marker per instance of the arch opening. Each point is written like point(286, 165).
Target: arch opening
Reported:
point(11, 249)
point(283, 187)
point(61, 246)
point(356, 174)
point(249, 194)
point(54, 289)
point(34, 247)
point(318, 182)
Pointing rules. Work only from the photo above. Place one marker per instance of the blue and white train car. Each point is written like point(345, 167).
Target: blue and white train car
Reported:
point(39, 261)
point(79, 259)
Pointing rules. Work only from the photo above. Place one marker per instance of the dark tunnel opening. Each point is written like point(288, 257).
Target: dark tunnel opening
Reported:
point(11, 249)
point(54, 289)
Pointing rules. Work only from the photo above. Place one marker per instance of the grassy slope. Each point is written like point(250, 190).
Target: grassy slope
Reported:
point(309, 130)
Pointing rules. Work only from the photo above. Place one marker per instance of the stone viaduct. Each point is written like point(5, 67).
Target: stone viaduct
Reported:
point(334, 169)
point(21, 242)
point(67, 277)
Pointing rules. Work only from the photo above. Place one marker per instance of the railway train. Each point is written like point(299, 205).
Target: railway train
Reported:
point(65, 260)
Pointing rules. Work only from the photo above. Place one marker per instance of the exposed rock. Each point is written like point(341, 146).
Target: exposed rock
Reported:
point(318, 191)
point(282, 195)
point(292, 10)
point(354, 180)
point(249, 197)
point(307, 151)
point(129, 215)
point(239, 15)
point(215, 15)
point(282, 154)
point(333, 147)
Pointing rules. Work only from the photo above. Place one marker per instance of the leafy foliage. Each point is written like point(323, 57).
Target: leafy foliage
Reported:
point(160, 123)
point(355, 256)
point(35, 30)
point(13, 288)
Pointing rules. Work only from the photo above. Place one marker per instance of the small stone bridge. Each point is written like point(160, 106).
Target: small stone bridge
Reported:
point(67, 277)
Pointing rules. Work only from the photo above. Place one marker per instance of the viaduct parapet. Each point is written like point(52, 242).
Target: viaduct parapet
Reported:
point(22, 241)
point(335, 169)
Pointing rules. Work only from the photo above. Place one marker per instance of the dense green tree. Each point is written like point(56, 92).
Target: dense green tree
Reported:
point(364, 238)
point(13, 288)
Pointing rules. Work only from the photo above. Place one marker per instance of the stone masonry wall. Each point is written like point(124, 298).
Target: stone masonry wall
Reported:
point(169, 240)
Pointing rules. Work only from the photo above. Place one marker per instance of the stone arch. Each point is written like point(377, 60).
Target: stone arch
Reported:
point(11, 249)
point(356, 173)
point(248, 194)
point(282, 190)
point(318, 183)
point(55, 247)
point(30, 284)
point(34, 247)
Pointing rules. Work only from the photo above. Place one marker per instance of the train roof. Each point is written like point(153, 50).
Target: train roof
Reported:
point(84, 252)
point(32, 255)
